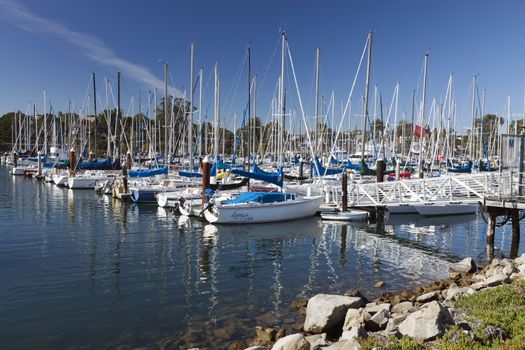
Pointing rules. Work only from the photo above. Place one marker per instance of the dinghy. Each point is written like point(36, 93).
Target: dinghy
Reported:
point(349, 215)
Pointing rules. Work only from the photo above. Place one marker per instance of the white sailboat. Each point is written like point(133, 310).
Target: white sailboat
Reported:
point(259, 207)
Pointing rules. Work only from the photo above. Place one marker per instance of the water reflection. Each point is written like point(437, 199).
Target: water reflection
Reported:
point(146, 275)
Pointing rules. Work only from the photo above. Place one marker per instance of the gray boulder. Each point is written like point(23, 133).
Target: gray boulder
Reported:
point(326, 312)
point(425, 298)
point(428, 323)
point(346, 344)
point(373, 308)
point(292, 342)
point(378, 321)
point(354, 317)
point(393, 324)
point(520, 260)
point(453, 294)
point(403, 307)
point(491, 281)
point(354, 332)
point(464, 266)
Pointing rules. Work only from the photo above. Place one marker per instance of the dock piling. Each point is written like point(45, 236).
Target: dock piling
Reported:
point(72, 162)
point(206, 167)
point(515, 217)
point(344, 184)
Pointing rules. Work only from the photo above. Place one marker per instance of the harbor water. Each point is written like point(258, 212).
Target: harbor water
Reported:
point(80, 270)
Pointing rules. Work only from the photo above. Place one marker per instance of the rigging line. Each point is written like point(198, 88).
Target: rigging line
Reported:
point(302, 109)
point(350, 95)
point(235, 85)
point(261, 85)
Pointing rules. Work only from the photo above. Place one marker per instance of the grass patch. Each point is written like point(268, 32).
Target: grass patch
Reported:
point(501, 309)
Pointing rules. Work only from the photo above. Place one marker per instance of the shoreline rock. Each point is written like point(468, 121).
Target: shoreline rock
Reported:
point(339, 321)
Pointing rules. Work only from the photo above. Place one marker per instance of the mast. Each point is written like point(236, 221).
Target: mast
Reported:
point(424, 97)
point(316, 117)
point(119, 117)
point(254, 112)
point(165, 113)
point(45, 122)
point(282, 107)
point(95, 109)
point(190, 116)
point(200, 114)
point(249, 145)
point(472, 131)
point(367, 89)
point(482, 130)
point(216, 106)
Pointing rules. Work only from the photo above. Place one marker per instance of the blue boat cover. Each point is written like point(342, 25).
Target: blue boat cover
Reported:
point(190, 174)
point(148, 172)
point(350, 165)
point(323, 171)
point(98, 165)
point(258, 174)
point(259, 197)
point(465, 169)
point(222, 165)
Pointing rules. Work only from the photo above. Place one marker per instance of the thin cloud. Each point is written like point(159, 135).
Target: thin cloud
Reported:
point(90, 46)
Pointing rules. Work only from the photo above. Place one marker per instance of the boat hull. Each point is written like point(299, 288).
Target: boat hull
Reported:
point(245, 213)
point(444, 209)
point(352, 215)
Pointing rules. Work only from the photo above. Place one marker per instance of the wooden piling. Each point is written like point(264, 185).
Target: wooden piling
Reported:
point(421, 171)
point(39, 173)
point(72, 162)
point(15, 159)
point(380, 170)
point(514, 247)
point(125, 178)
point(206, 168)
point(491, 230)
point(128, 160)
point(344, 183)
point(301, 167)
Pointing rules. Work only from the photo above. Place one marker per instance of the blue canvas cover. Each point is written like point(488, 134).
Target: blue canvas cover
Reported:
point(258, 197)
point(148, 172)
point(273, 178)
point(98, 165)
point(190, 174)
point(323, 171)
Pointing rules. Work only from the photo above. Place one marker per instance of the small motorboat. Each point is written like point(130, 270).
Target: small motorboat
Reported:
point(349, 215)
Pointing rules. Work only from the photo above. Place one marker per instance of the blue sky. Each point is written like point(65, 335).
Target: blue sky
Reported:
point(56, 44)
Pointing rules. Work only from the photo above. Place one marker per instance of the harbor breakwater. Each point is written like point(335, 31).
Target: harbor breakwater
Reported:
point(431, 316)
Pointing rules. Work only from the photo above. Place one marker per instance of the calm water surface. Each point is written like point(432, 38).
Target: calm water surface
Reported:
point(83, 271)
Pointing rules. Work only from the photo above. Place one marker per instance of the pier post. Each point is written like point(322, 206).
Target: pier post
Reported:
point(90, 156)
point(311, 169)
point(398, 170)
point(491, 230)
point(206, 167)
point(72, 162)
point(380, 170)
point(39, 173)
point(125, 178)
point(128, 160)
point(301, 167)
point(15, 159)
point(515, 217)
point(344, 183)
point(421, 169)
